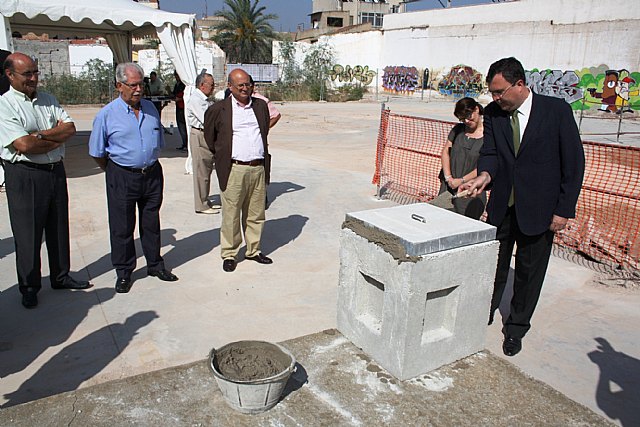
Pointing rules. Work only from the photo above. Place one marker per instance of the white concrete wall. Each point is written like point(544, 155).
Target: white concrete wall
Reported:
point(356, 49)
point(557, 34)
point(79, 55)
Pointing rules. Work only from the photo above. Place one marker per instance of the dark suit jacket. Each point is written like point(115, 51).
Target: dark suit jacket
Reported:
point(546, 174)
point(218, 133)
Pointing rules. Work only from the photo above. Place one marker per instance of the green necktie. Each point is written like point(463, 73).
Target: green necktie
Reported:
point(515, 128)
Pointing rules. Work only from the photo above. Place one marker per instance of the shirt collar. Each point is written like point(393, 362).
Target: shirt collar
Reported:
point(126, 106)
point(237, 103)
point(21, 95)
point(201, 94)
point(525, 108)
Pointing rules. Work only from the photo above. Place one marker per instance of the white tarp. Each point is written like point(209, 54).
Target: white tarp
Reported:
point(115, 20)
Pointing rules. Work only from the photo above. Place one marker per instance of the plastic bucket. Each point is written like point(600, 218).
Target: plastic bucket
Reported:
point(254, 395)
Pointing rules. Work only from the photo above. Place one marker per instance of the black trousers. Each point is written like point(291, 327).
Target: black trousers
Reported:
point(532, 259)
point(126, 191)
point(38, 203)
point(182, 126)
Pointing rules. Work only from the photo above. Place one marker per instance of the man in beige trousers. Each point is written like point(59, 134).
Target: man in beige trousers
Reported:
point(202, 157)
point(236, 132)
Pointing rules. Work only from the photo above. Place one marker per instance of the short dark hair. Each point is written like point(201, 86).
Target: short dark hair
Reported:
point(510, 68)
point(465, 107)
point(8, 65)
point(153, 73)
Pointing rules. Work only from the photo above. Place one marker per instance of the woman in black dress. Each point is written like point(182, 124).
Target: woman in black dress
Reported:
point(460, 156)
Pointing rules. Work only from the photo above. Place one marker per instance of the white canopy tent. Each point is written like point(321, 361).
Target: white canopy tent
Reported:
point(118, 21)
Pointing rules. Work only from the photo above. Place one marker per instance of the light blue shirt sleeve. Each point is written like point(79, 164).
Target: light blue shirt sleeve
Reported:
point(97, 140)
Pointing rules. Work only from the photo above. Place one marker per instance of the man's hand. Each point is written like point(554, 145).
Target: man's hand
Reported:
point(558, 223)
point(476, 185)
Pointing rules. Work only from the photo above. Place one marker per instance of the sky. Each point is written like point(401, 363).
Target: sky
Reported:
point(291, 13)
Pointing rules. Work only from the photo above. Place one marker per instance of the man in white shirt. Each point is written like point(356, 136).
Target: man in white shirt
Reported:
point(202, 157)
point(236, 132)
point(33, 131)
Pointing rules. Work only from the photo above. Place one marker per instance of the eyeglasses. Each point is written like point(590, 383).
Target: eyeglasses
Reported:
point(133, 85)
point(468, 117)
point(28, 74)
point(498, 94)
point(244, 85)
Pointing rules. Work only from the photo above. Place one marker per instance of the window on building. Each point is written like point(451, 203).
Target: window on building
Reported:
point(334, 22)
point(374, 18)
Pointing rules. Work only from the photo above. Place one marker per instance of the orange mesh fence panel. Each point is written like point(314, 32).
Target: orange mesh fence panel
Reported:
point(607, 223)
point(408, 157)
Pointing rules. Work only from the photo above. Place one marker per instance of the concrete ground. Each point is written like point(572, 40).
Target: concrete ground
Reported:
point(334, 384)
point(584, 341)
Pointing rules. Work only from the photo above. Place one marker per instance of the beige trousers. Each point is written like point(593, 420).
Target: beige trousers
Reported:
point(202, 161)
point(242, 210)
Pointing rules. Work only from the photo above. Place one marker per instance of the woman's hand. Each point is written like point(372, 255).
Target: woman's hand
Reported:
point(454, 183)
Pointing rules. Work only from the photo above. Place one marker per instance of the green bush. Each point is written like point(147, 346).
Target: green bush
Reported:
point(95, 85)
point(346, 93)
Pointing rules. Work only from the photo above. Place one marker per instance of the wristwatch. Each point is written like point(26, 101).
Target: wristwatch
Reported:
point(39, 136)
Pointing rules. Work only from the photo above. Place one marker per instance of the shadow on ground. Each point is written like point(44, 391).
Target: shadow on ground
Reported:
point(618, 390)
point(80, 361)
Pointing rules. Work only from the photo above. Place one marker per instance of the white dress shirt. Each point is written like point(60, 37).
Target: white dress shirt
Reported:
point(524, 112)
point(247, 139)
point(195, 109)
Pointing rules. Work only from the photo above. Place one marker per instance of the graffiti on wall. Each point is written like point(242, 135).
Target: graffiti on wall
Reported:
point(618, 93)
point(597, 88)
point(461, 81)
point(400, 79)
point(555, 83)
point(347, 74)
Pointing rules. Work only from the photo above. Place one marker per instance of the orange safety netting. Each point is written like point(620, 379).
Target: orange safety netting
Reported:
point(607, 223)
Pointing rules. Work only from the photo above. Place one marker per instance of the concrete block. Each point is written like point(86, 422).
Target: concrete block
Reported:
point(428, 307)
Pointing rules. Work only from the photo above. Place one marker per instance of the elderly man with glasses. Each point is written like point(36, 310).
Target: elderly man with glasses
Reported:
point(236, 130)
point(125, 142)
point(33, 130)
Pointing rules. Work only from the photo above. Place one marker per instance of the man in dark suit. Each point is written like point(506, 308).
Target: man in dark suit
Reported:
point(533, 162)
point(236, 130)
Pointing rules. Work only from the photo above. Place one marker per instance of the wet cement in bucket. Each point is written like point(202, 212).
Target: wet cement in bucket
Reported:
point(250, 361)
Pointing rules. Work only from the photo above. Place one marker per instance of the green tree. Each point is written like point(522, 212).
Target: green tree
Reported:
point(245, 34)
point(319, 59)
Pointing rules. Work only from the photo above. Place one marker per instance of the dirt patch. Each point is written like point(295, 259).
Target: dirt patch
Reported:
point(250, 361)
point(389, 243)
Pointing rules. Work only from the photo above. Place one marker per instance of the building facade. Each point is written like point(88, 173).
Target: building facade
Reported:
point(332, 14)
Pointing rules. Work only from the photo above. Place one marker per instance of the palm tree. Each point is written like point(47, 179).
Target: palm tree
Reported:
point(245, 34)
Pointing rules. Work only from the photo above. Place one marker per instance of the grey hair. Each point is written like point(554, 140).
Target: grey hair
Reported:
point(121, 69)
point(200, 78)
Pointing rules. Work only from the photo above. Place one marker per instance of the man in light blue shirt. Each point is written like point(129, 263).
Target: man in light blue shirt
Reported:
point(125, 142)
point(33, 131)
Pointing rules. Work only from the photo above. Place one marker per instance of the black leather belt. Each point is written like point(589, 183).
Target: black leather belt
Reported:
point(255, 162)
point(143, 171)
point(193, 127)
point(41, 166)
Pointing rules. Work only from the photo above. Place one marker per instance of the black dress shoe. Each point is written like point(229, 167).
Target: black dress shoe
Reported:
point(229, 265)
point(260, 259)
point(163, 275)
point(29, 300)
point(71, 283)
point(123, 285)
point(511, 346)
